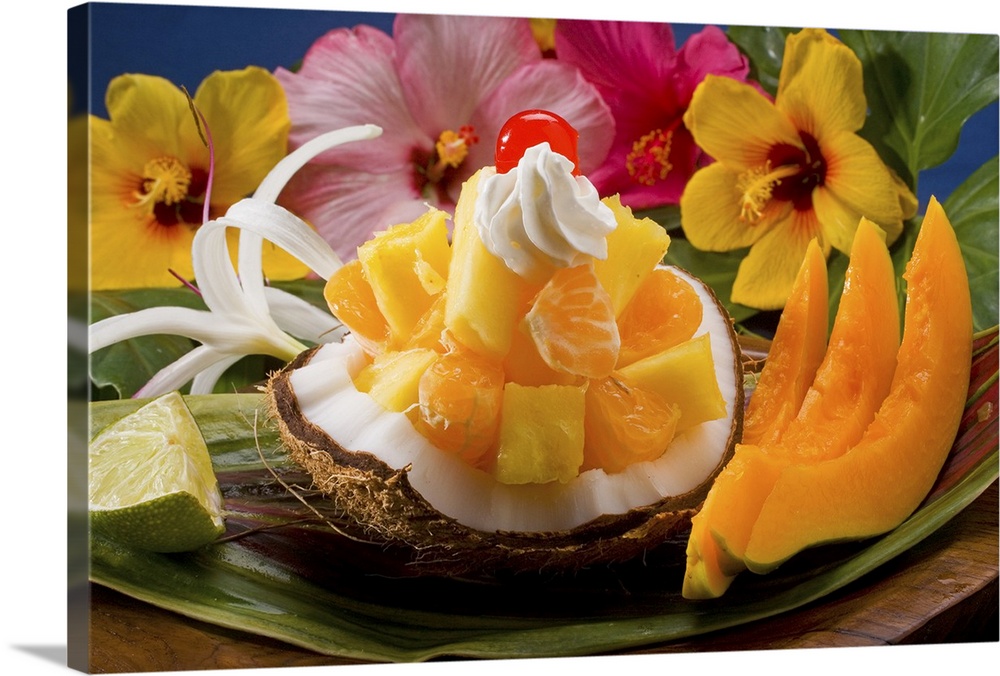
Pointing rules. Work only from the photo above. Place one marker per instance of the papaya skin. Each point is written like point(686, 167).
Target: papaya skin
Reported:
point(849, 386)
point(882, 479)
point(703, 577)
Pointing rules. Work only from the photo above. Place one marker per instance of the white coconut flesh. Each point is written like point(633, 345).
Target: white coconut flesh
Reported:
point(326, 396)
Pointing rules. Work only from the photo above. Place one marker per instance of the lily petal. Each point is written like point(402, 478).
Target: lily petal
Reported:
point(301, 318)
point(184, 370)
point(227, 333)
point(204, 382)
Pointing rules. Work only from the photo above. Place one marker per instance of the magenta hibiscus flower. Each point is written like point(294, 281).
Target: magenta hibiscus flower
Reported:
point(648, 84)
point(441, 88)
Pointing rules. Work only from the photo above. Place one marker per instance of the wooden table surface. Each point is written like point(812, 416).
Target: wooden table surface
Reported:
point(944, 590)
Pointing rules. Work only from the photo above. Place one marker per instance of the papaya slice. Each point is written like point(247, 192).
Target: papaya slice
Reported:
point(796, 352)
point(882, 479)
point(850, 384)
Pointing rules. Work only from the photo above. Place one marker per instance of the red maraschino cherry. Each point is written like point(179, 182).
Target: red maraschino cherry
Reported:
point(529, 128)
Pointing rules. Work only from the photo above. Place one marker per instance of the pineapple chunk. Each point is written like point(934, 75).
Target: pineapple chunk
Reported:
point(683, 375)
point(635, 247)
point(392, 379)
point(406, 266)
point(541, 434)
point(485, 298)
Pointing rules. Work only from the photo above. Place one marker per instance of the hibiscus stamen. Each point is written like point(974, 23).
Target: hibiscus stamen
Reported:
point(452, 148)
point(649, 160)
point(756, 187)
point(165, 180)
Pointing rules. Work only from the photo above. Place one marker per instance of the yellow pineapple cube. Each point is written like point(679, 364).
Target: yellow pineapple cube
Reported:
point(635, 247)
point(406, 266)
point(484, 298)
point(684, 375)
point(541, 434)
point(392, 379)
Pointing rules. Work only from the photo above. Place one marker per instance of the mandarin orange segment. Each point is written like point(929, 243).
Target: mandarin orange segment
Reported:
point(351, 300)
point(460, 397)
point(572, 323)
point(525, 366)
point(664, 312)
point(625, 424)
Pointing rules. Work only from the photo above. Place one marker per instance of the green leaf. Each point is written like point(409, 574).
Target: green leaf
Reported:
point(668, 216)
point(765, 48)
point(921, 88)
point(974, 212)
point(718, 270)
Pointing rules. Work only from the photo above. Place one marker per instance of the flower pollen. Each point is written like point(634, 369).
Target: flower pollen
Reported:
point(450, 151)
point(756, 187)
point(452, 148)
point(165, 180)
point(649, 160)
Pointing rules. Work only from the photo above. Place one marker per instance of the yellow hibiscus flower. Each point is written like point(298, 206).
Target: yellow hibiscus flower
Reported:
point(150, 170)
point(788, 171)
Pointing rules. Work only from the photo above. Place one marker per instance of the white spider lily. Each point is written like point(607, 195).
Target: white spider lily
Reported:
point(244, 315)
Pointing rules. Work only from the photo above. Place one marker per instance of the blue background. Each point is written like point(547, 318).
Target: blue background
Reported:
point(186, 43)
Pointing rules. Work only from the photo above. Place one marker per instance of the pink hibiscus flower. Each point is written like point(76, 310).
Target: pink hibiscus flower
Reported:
point(441, 88)
point(648, 84)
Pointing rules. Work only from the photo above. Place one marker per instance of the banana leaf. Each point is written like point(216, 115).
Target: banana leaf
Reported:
point(284, 571)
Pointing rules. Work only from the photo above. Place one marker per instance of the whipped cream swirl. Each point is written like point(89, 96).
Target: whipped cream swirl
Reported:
point(539, 216)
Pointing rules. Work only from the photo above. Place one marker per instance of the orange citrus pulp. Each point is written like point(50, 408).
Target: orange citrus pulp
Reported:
point(352, 301)
point(624, 424)
point(664, 312)
point(459, 396)
point(572, 322)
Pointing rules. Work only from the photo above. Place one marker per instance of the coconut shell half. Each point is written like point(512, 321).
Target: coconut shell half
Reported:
point(447, 518)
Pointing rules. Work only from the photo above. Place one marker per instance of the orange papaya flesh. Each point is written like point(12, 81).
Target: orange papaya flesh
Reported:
point(795, 355)
point(733, 502)
point(882, 479)
point(796, 352)
point(860, 359)
point(850, 384)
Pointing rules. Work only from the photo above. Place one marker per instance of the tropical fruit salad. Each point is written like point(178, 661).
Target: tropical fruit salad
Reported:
point(540, 340)
point(526, 367)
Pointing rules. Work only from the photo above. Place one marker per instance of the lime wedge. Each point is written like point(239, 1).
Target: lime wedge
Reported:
point(151, 481)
